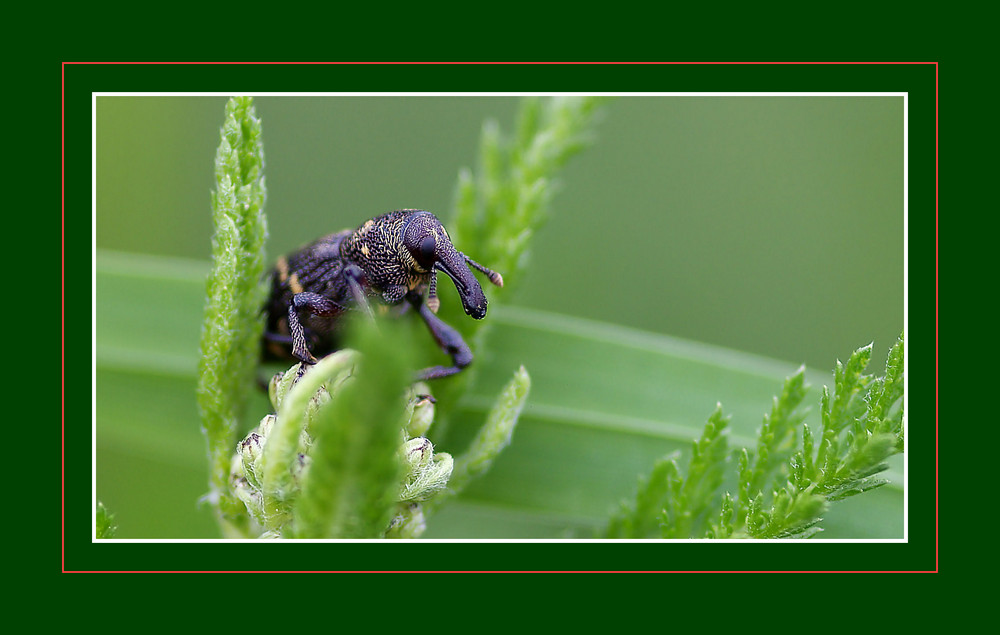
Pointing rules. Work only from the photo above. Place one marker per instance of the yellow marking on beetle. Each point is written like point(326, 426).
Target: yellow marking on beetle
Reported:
point(294, 284)
point(414, 281)
point(282, 267)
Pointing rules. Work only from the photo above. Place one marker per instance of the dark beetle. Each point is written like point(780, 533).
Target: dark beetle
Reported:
point(390, 258)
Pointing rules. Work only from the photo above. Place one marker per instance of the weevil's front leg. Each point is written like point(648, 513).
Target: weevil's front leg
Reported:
point(316, 304)
point(433, 303)
point(447, 338)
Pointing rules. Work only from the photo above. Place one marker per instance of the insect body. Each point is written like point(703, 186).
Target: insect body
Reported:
point(389, 259)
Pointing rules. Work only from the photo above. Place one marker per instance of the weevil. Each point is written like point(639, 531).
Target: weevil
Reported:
point(388, 260)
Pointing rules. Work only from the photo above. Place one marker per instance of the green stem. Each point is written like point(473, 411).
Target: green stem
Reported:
point(232, 325)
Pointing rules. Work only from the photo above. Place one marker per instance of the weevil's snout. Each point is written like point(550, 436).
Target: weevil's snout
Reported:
point(473, 298)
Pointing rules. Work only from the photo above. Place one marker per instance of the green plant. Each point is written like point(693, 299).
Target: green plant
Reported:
point(105, 522)
point(346, 454)
point(232, 327)
point(783, 488)
point(500, 205)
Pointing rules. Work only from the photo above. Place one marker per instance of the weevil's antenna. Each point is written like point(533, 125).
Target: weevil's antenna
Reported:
point(494, 277)
point(433, 303)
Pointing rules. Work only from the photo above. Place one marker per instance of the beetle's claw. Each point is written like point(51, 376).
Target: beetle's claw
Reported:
point(304, 356)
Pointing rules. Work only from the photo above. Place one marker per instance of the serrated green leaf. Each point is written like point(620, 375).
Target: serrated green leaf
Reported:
point(639, 519)
point(855, 487)
point(494, 436)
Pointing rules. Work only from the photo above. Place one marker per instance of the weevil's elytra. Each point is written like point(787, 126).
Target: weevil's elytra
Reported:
point(386, 260)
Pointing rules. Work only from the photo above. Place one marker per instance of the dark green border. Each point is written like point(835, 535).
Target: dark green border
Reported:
point(919, 554)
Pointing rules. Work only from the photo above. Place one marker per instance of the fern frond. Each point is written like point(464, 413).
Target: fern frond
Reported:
point(783, 489)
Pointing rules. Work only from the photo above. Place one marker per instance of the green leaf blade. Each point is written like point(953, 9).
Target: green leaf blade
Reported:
point(579, 448)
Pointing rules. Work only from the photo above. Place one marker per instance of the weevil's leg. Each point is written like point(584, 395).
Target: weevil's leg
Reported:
point(433, 303)
point(447, 338)
point(354, 275)
point(494, 277)
point(316, 304)
point(300, 372)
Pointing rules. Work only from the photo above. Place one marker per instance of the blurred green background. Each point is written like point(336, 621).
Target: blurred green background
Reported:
point(772, 225)
point(765, 224)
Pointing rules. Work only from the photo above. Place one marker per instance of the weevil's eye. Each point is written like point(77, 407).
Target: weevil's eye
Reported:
point(427, 247)
point(423, 251)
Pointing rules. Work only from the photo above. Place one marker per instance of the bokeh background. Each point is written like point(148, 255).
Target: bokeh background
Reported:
point(766, 224)
point(772, 225)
